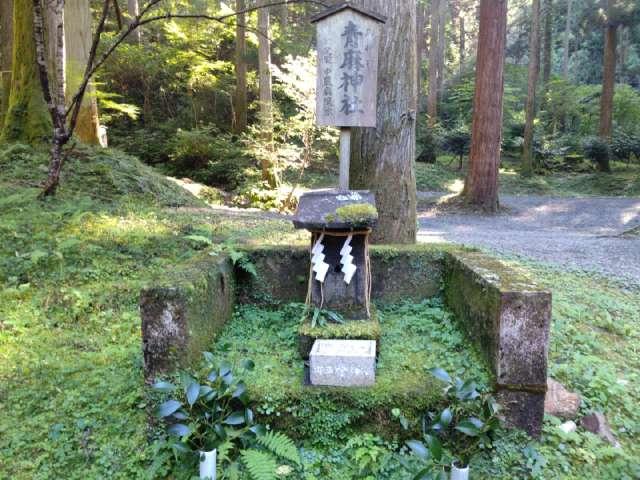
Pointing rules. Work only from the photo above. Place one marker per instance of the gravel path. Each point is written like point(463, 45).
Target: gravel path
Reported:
point(582, 233)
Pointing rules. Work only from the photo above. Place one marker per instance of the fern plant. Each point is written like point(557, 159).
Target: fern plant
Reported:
point(262, 464)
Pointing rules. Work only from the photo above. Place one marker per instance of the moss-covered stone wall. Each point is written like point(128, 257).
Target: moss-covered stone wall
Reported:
point(183, 312)
point(508, 317)
point(398, 273)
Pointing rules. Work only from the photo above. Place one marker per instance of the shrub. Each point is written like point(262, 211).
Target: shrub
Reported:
point(624, 145)
point(597, 150)
point(211, 157)
point(457, 142)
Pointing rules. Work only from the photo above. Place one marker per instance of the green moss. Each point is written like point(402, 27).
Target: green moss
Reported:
point(350, 330)
point(414, 338)
point(355, 213)
point(27, 118)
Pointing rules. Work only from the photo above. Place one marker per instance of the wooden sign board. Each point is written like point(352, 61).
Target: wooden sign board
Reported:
point(348, 41)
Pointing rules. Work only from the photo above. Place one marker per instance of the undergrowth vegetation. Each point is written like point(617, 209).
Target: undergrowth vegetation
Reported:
point(72, 399)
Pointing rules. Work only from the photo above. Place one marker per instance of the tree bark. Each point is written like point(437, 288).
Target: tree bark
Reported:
point(461, 46)
point(382, 158)
point(27, 119)
point(78, 41)
point(534, 72)
point(266, 100)
point(133, 9)
point(608, 80)
point(548, 47)
point(432, 95)
point(567, 33)
point(421, 44)
point(240, 98)
point(6, 54)
point(442, 21)
point(481, 185)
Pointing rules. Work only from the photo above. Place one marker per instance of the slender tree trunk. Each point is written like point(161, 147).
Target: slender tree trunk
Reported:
point(534, 72)
point(133, 8)
point(269, 174)
point(79, 37)
point(548, 48)
point(608, 81)
point(383, 157)
point(442, 43)
point(6, 54)
point(27, 119)
point(434, 36)
point(461, 46)
point(567, 34)
point(240, 98)
point(481, 185)
point(421, 45)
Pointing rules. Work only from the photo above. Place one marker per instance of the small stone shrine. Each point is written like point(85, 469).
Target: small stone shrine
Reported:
point(341, 220)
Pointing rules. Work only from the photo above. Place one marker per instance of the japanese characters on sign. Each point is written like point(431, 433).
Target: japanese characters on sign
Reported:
point(347, 70)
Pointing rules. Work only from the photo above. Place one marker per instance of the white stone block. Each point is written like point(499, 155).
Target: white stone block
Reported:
point(343, 363)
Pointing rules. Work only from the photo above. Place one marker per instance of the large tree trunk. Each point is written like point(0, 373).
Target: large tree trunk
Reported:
point(567, 34)
point(481, 185)
point(432, 95)
point(240, 97)
point(27, 118)
point(608, 80)
point(78, 42)
point(6, 53)
point(382, 158)
point(133, 9)
point(534, 72)
point(269, 174)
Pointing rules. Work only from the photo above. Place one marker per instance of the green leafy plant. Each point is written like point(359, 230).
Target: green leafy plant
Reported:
point(321, 317)
point(597, 150)
point(468, 434)
point(210, 410)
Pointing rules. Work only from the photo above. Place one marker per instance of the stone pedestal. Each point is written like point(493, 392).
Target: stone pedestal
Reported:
point(333, 217)
point(343, 363)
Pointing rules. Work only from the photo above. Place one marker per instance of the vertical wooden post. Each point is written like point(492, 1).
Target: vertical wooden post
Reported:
point(345, 156)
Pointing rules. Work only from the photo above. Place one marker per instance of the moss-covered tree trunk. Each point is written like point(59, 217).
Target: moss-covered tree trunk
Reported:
point(78, 38)
point(27, 117)
point(6, 53)
point(481, 185)
point(530, 106)
point(382, 158)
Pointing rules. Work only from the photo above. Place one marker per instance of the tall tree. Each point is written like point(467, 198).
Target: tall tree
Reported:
point(434, 36)
point(382, 158)
point(133, 9)
point(27, 118)
point(481, 184)
point(6, 47)
point(548, 44)
point(78, 45)
point(534, 72)
point(608, 72)
point(421, 43)
point(269, 174)
point(240, 96)
point(567, 34)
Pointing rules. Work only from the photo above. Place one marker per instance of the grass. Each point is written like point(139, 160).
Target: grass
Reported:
point(72, 401)
point(623, 181)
